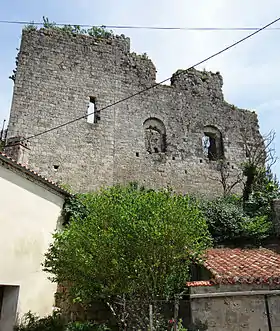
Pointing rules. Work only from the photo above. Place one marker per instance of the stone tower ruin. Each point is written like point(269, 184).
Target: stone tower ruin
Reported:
point(171, 135)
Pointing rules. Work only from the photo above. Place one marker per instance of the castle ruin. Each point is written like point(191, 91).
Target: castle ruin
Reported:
point(171, 135)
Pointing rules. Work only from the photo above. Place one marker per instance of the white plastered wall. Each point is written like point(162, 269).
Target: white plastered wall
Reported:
point(29, 214)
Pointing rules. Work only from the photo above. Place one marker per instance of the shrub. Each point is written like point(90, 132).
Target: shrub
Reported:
point(229, 223)
point(55, 322)
point(31, 322)
point(128, 243)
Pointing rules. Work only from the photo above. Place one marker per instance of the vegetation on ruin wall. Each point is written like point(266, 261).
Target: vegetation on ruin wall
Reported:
point(97, 32)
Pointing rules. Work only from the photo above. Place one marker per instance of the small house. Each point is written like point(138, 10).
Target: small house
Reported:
point(30, 212)
point(236, 289)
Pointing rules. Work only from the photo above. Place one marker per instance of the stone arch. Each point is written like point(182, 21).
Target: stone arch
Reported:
point(155, 135)
point(212, 143)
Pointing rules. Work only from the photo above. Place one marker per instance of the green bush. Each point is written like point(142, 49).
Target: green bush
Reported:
point(86, 326)
point(55, 322)
point(31, 322)
point(95, 31)
point(229, 223)
point(265, 190)
point(128, 240)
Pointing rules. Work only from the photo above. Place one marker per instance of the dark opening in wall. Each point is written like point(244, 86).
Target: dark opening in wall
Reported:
point(137, 154)
point(212, 143)
point(92, 112)
point(56, 166)
point(8, 305)
point(247, 151)
point(155, 135)
point(173, 157)
point(1, 298)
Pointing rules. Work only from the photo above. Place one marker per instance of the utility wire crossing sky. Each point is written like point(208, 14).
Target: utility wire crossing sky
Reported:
point(144, 27)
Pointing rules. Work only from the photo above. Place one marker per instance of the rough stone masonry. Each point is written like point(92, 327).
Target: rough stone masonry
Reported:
point(171, 135)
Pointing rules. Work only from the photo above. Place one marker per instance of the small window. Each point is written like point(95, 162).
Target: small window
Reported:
point(93, 115)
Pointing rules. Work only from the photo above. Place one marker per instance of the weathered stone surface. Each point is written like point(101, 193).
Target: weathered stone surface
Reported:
point(231, 312)
point(58, 73)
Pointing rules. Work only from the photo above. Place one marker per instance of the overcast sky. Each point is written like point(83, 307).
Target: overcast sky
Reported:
point(251, 71)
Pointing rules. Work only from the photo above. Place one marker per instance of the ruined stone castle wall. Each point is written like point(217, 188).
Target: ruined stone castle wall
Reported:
point(154, 138)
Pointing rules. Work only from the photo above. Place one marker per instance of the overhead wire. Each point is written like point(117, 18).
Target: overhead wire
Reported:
point(156, 84)
point(142, 27)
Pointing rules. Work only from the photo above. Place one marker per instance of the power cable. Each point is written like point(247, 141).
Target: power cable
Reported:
point(142, 27)
point(154, 85)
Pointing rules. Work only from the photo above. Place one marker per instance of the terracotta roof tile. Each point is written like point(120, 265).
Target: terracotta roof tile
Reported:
point(230, 266)
point(199, 283)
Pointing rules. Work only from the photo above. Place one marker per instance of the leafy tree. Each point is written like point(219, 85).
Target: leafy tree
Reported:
point(264, 191)
point(128, 243)
point(229, 223)
point(260, 153)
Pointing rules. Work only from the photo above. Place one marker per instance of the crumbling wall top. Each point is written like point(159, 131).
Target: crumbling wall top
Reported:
point(199, 83)
point(58, 35)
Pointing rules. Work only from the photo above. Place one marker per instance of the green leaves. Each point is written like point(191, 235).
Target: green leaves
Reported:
point(125, 240)
point(56, 322)
point(96, 32)
point(230, 223)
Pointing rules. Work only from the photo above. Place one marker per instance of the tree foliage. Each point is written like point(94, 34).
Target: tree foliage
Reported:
point(264, 190)
point(260, 155)
point(128, 245)
point(55, 322)
point(229, 223)
point(233, 220)
point(128, 241)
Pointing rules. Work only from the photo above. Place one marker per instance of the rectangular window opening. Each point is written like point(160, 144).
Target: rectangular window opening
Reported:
point(91, 110)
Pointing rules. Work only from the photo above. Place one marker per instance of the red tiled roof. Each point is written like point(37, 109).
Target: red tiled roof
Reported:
point(34, 174)
point(200, 283)
point(230, 266)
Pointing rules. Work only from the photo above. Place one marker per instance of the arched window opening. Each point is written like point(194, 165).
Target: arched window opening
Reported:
point(154, 131)
point(212, 143)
